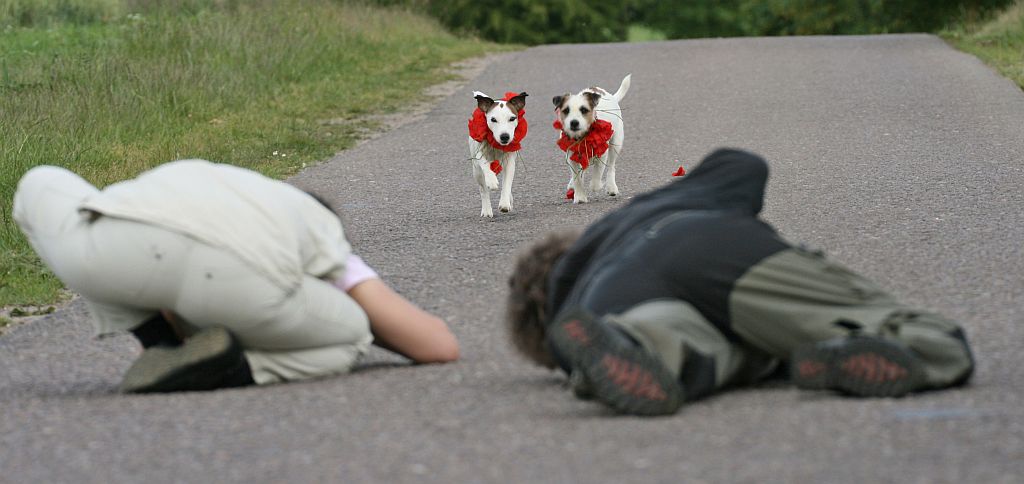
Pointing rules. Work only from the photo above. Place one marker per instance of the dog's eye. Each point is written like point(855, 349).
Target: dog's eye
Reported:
point(565, 111)
point(513, 118)
point(584, 110)
point(494, 120)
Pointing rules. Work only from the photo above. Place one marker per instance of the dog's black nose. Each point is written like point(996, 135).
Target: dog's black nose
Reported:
point(574, 125)
point(505, 137)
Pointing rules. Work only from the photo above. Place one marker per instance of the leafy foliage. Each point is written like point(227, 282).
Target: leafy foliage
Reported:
point(559, 21)
point(529, 21)
point(712, 18)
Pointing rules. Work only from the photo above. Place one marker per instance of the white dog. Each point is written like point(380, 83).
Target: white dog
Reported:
point(495, 131)
point(583, 136)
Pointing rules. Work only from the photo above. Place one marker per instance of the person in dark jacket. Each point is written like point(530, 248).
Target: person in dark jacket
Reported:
point(685, 291)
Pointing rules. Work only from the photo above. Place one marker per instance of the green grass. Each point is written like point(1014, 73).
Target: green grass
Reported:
point(999, 41)
point(641, 33)
point(112, 92)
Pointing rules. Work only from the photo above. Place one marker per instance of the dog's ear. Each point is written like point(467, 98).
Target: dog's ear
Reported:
point(557, 100)
point(518, 102)
point(484, 103)
point(593, 98)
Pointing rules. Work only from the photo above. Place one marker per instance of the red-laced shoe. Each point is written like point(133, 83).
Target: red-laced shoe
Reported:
point(621, 373)
point(858, 365)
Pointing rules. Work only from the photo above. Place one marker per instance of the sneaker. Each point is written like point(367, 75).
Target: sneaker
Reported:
point(206, 361)
point(858, 365)
point(620, 373)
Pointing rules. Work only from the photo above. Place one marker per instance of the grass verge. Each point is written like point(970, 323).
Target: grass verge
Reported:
point(641, 33)
point(109, 94)
point(999, 41)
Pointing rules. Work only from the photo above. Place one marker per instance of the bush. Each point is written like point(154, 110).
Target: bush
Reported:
point(529, 21)
point(560, 21)
point(692, 19)
point(714, 18)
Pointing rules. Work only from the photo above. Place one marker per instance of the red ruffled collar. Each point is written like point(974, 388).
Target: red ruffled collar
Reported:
point(479, 131)
point(594, 144)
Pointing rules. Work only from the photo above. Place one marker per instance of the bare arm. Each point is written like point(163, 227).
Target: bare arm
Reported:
point(400, 326)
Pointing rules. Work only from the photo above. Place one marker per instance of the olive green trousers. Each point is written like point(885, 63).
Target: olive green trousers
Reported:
point(790, 299)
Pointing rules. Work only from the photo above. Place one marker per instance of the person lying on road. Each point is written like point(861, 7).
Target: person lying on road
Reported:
point(685, 291)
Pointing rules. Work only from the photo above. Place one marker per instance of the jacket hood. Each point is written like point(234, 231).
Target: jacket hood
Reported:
point(727, 180)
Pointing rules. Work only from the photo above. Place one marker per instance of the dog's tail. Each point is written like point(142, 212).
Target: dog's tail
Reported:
point(623, 88)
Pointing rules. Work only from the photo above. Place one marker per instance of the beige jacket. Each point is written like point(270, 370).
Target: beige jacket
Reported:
point(278, 229)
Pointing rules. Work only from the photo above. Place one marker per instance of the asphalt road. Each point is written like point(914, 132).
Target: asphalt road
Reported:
point(899, 155)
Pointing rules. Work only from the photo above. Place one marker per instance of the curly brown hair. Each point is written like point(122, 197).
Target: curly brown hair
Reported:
point(528, 289)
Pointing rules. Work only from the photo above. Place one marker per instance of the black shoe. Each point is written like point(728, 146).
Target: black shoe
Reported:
point(857, 365)
point(156, 331)
point(621, 374)
point(210, 359)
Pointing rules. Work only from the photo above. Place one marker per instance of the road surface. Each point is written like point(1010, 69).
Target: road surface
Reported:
point(900, 156)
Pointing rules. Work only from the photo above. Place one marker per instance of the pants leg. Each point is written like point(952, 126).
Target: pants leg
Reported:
point(699, 355)
point(278, 366)
point(325, 332)
point(46, 209)
point(798, 297)
point(304, 332)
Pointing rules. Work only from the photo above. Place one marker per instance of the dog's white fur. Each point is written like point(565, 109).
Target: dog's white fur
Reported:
point(502, 120)
point(582, 108)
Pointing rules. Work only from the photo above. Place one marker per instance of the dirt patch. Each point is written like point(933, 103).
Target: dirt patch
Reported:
point(11, 316)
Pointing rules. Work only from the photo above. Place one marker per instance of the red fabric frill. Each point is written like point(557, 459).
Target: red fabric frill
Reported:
point(594, 144)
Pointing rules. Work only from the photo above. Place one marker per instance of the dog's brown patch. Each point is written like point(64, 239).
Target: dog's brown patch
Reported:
point(484, 103)
point(518, 102)
point(560, 104)
point(560, 101)
point(593, 98)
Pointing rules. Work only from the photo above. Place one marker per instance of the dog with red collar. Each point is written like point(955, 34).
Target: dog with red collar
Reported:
point(591, 135)
point(496, 130)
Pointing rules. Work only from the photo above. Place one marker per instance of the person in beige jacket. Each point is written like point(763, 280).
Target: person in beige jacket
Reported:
point(226, 277)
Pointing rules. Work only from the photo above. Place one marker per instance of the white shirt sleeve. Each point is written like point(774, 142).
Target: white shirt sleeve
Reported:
point(356, 272)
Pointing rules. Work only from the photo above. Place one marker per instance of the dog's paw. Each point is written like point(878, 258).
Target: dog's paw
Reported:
point(579, 198)
point(613, 190)
point(505, 204)
point(486, 212)
point(490, 180)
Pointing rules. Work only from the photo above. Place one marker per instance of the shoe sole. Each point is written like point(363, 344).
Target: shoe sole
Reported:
point(626, 378)
point(198, 364)
point(864, 367)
